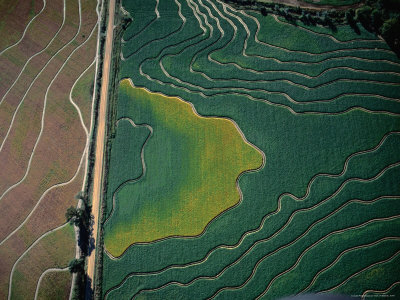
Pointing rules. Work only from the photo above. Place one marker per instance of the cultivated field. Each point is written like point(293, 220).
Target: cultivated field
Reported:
point(250, 158)
point(47, 63)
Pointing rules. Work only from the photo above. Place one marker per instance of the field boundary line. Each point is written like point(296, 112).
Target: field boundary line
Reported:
point(50, 270)
point(34, 55)
point(361, 271)
point(74, 104)
point(143, 166)
point(268, 92)
point(327, 35)
point(146, 26)
point(43, 114)
point(262, 223)
point(247, 94)
point(33, 82)
point(26, 28)
point(336, 260)
point(156, 39)
point(63, 183)
point(42, 197)
point(248, 34)
point(241, 80)
point(236, 181)
point(284, 49)
point(26, 251)
point(236, 65)
point(365, 293)
point(305, 52)
point(285, 95)
point(314, 279)
point(268, 255)
point(257, 242)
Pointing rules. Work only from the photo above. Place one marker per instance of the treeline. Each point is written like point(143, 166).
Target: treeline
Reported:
point(81, 218)
point(381, 17)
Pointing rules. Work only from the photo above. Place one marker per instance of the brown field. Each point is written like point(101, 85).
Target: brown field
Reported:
point(54, 285)
point(58, 153)
point(53, 251)
point(52, 210)
point(16, 17)
point(16, 94)
point(37, 187)
point(37, 36)
point(22, 138)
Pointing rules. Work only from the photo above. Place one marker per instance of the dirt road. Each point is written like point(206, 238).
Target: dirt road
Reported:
point(100, 138)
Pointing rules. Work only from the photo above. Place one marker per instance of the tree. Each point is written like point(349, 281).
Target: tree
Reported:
point(391, 29)
point(389, 4)
point(391, 33)
point(264, 11)
point(81, 195)
point(363, 14)
point(76, 265)
point(376, 17)
point(74, 216)
point(349, 18)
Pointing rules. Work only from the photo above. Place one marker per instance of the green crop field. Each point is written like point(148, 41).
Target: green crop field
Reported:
point(250, 158)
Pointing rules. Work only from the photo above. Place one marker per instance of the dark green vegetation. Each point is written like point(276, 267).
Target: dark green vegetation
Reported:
point(334, 2)
point(381, 17)
point(323, 213)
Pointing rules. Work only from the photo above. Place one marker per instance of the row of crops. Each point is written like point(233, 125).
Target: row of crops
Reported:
point(321, 215)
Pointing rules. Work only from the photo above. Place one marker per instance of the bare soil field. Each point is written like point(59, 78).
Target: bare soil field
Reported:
point(53, 251)
point(35, 39)
point(43, 145)
point(18, 15)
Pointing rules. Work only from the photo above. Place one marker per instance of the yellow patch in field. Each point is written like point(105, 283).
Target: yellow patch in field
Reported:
point(192, 165)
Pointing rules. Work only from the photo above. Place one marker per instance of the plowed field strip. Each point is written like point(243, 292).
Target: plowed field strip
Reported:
point(51, 270)
point(26, 28)
point(32, 57)
point(42, 120)
point(27, 250)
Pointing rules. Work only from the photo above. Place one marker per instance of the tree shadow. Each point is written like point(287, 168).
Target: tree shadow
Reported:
point(86, 240)
point(88, 289)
